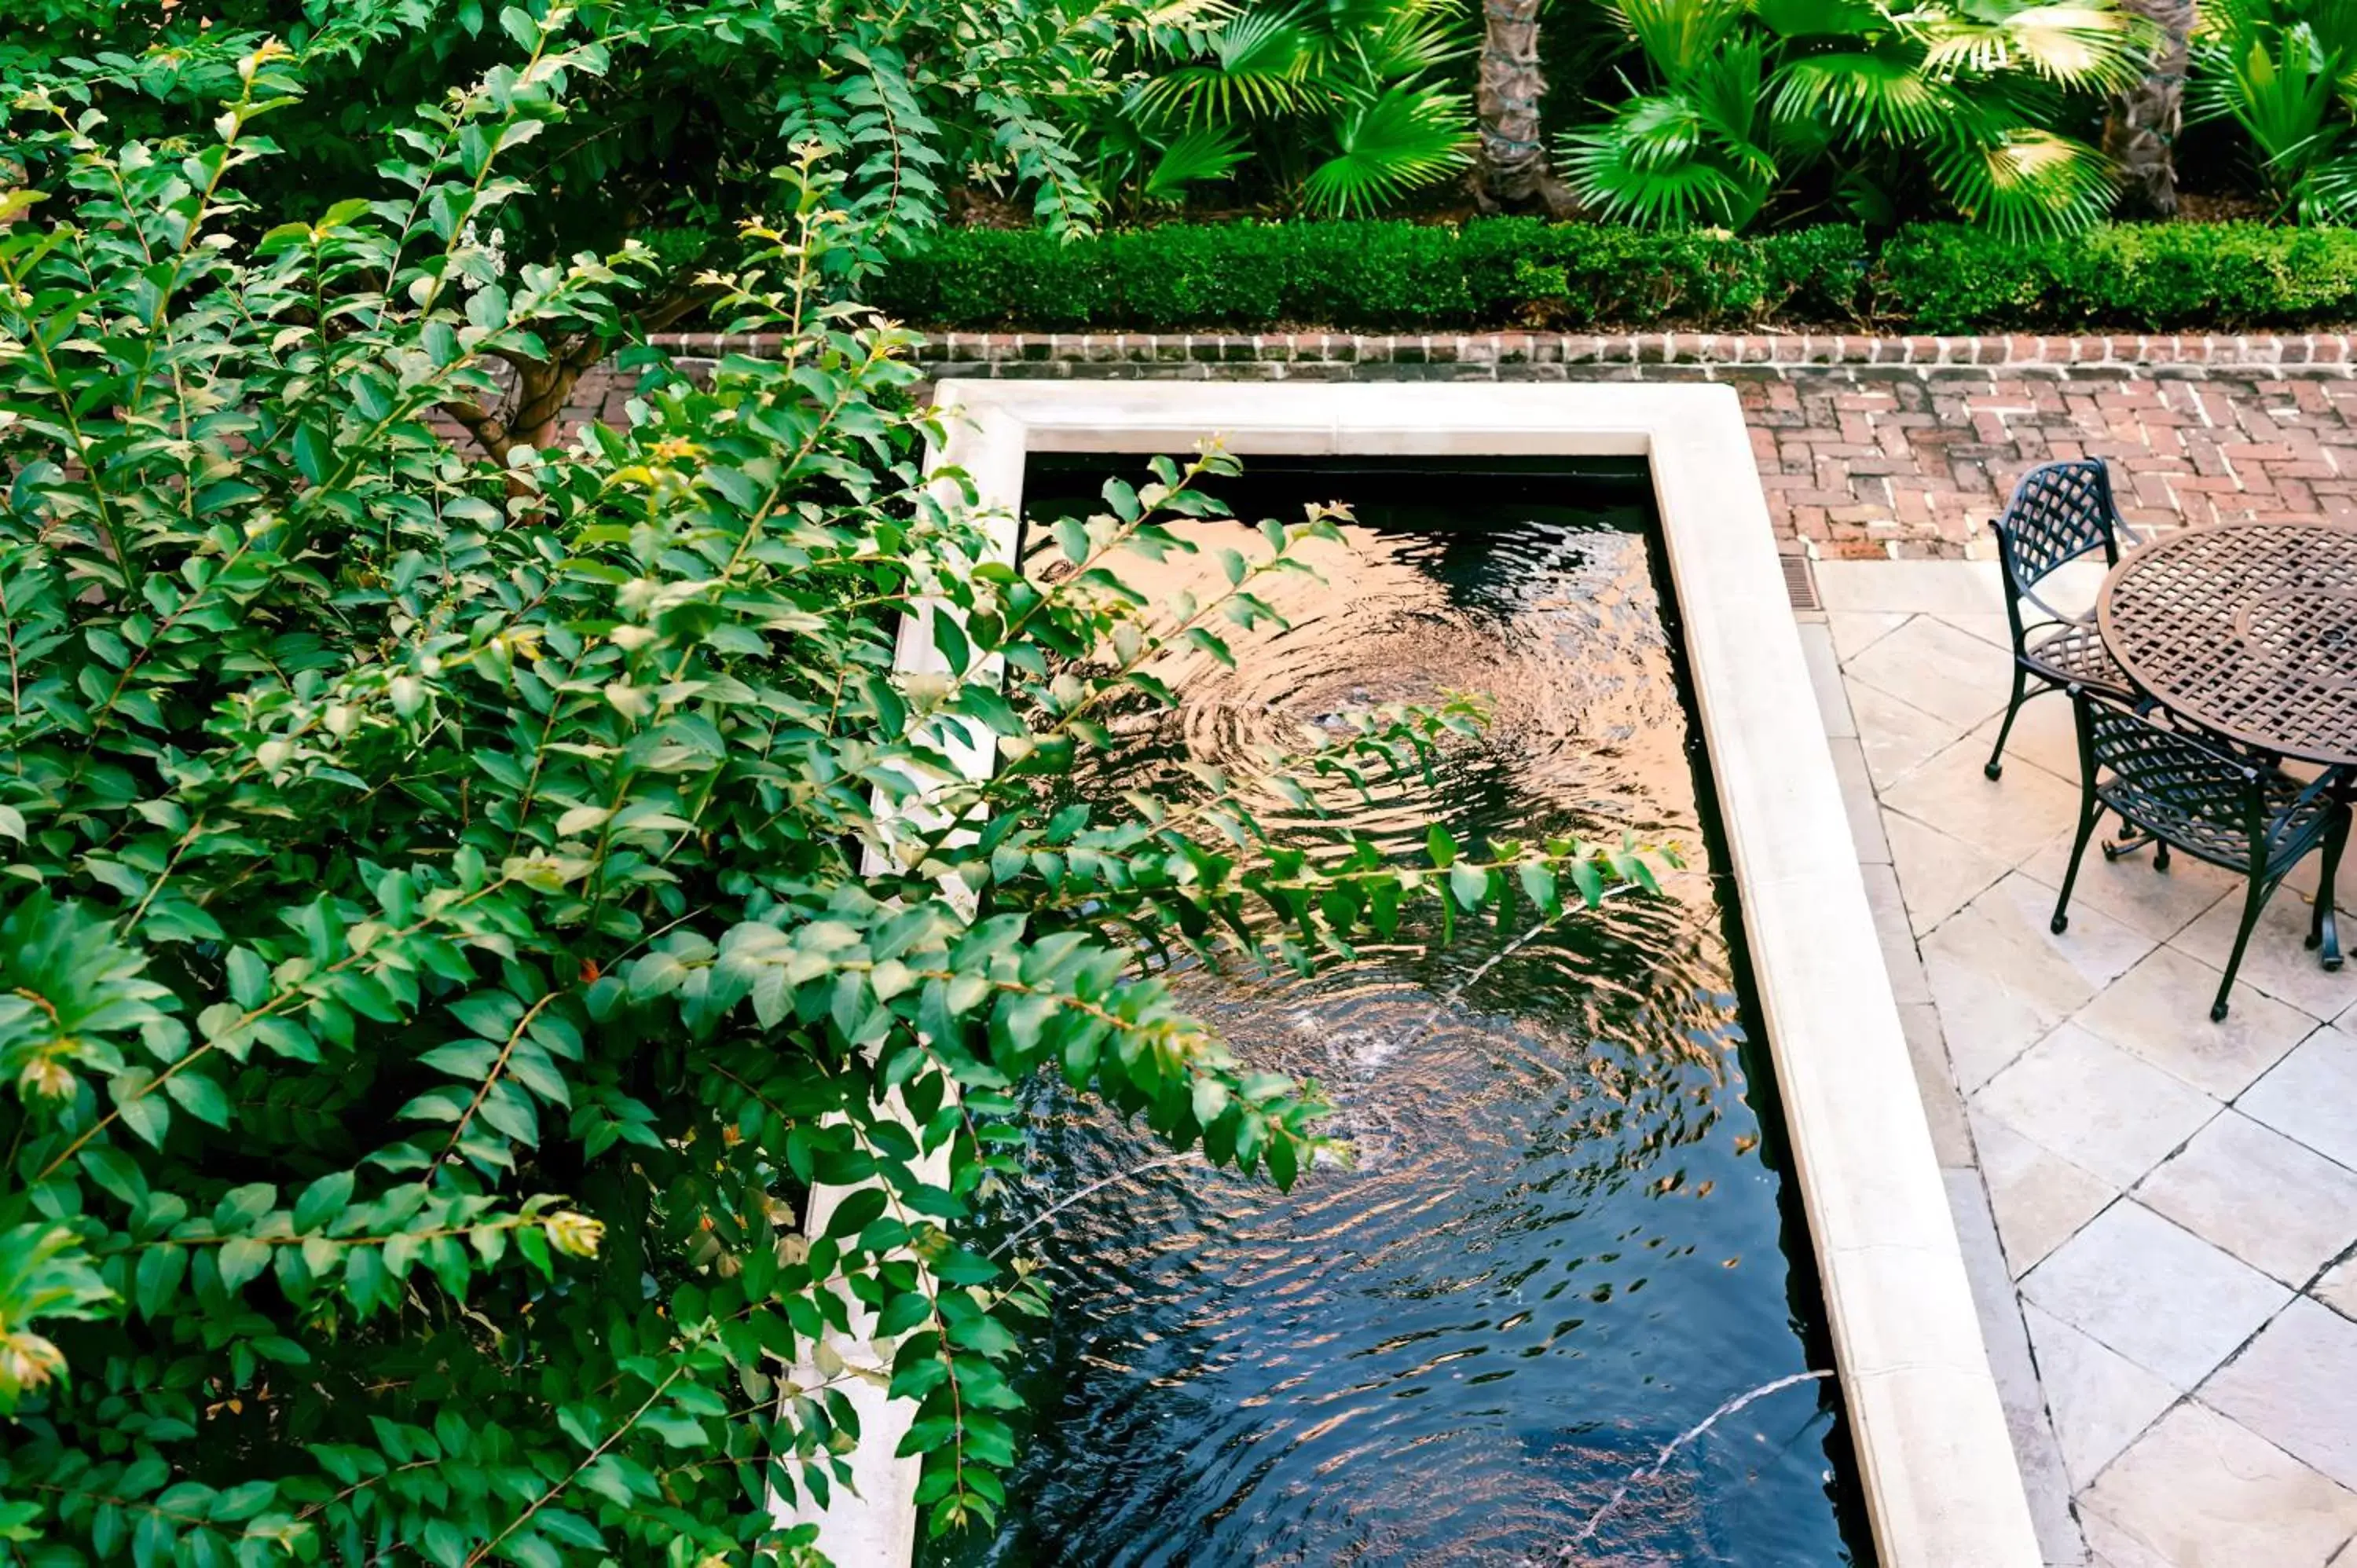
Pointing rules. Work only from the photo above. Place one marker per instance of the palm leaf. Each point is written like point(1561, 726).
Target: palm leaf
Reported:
point(1654, 163)
point(1883, 94)
point(2281, 104)
point(1402, 138)
point(2025, 183)
point(1258, 68)
point(2093, 47)
point(1201, 154)
point(1678, 36)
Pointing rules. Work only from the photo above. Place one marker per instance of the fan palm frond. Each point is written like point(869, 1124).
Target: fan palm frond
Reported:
point(1402, 138)
point(1883, 94)
point(1204, 153)
point(2026, 182)
point(1677, 36)
point(1657, 164)
point(1420, 37)
point(2093, 47)
point(2329, 194)
point(1259, 66)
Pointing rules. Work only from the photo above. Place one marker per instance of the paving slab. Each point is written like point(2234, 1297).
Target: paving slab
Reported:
point(2157, 1293)
point(2039, 1197)
point(2115, 1114)
point(2099, 1400)
point(1896, 736)
point(2002, 981)
point(2311, 1095)
point(2161, 1010)
point(2277, 1205)
point(2199, 1491)
point(1933, 666)
point(2292, 1385)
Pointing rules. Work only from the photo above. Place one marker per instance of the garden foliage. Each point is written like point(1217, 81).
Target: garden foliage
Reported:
point(1492, 274)
point(1378, 275)
point(455, 916)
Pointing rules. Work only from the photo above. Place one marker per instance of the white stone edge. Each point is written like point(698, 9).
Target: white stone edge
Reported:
point(1942, 1484)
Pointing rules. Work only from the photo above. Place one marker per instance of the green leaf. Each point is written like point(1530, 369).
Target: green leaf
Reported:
point(1469, 882)
point(199, 1096)
point(1440, 846)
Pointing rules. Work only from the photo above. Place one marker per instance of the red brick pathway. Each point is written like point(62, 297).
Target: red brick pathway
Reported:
point(1866, 447)
point(1863, 466)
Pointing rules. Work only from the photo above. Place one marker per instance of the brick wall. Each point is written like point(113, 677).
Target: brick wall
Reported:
point(1866, 446)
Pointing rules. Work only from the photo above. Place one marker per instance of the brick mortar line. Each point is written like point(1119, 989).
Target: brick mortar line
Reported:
point(2116, 351)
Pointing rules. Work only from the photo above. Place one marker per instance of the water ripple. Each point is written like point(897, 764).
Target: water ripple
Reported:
point(1555, 1245)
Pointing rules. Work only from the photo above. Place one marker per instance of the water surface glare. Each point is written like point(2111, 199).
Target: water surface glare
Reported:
point(1563, 1240)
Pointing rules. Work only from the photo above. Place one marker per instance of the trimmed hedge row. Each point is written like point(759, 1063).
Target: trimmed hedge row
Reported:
point(1371, 276)
point(1514, 271)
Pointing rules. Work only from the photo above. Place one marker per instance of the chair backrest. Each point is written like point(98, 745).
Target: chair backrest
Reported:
point(2059, 512)
point(2192, 774)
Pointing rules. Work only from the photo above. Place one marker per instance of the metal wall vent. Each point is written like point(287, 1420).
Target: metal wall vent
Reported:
point(1801, 582)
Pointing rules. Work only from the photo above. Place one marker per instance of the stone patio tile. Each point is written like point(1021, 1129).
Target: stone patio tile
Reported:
point(2002, 981)
point(1825, 678)
point(1942, 671)
point(2158, 903)
point(2336, 1287)
point(2161, 1010)
point(2045, 1481)
point(2161, 1297)
point(1910, 588)
point(2279, 1206)
point(1944, 1107)
point(2278, 961)
point(2311, 1094)
point(1898, 737)
point(1858, 799)
point(2109, 1546)
point(1898, 938)
point(2099, 1399)
point(2114, 1114)
point(2044, 735)
point(2292, 1386)
point(1990, 627)
point(1854, 631)
point(1938, 874)
point(2200, 1491)
point(2040, 1198)
point(2012, 817)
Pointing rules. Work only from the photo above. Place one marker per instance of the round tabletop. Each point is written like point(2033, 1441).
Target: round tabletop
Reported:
point(2248, 628)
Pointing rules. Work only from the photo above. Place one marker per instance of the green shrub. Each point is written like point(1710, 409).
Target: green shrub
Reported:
point(2149, 277)
point(1390, 276)
point(1372, 276)
point(453, 917)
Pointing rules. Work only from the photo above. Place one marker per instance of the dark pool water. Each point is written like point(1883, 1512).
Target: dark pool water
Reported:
point(1565, 1239)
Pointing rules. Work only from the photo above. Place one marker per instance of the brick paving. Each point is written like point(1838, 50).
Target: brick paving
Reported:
point(1866, 446)
point(1862, 467)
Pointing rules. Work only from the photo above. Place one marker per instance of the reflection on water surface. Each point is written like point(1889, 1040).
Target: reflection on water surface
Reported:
point(1560, 1244)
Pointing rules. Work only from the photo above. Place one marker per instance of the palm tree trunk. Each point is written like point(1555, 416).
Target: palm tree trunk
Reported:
point(2140, 132)
point(1513, 170)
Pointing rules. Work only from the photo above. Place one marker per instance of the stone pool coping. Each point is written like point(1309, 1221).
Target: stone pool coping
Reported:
point(1935, 1458)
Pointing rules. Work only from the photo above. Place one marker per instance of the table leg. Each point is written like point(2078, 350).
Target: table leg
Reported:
point(2327, 927)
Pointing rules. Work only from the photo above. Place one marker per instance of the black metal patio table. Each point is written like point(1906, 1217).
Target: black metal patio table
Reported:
point(2250, 631)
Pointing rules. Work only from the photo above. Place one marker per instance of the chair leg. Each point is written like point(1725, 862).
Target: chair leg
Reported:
point(2323, 928)
point(2253, 902)
point(1996, 765)
point(2090, 813)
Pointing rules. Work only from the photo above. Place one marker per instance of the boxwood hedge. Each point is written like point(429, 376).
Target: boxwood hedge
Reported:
point(1390, 276)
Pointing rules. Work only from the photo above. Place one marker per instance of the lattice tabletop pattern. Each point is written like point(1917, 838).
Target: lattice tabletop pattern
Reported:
point(2249, 629)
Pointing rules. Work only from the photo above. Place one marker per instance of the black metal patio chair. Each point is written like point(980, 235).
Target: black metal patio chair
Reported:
point(2209, 799)
point(2060, 511)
